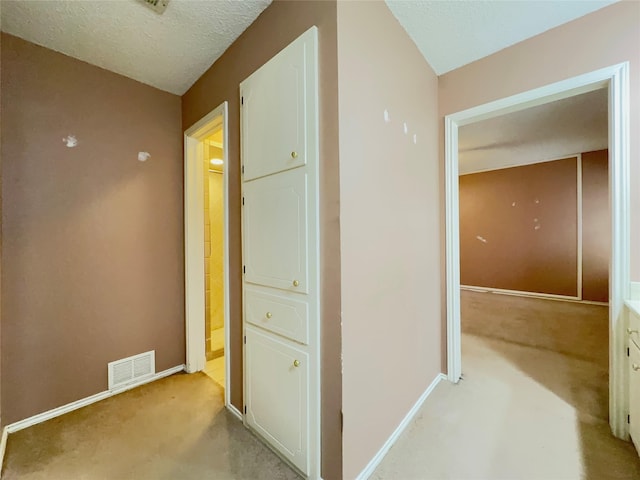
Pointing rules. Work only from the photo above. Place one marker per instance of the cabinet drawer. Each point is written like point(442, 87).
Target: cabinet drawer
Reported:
point(277, 313)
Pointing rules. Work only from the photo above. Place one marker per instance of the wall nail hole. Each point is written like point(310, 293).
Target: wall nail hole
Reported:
point(537, 227)
point(513, 204)
point(482, 239)
point(70, 141)
point(144, 156)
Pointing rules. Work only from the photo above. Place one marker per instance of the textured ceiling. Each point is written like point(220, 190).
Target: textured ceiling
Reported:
point(169, 51)
point(546, 132)
point(451, 34)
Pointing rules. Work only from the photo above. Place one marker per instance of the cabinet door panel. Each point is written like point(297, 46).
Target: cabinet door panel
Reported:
point(275, 231)
point(277, 313)
point(274, 114)
point(634, 394)
point(277, 395)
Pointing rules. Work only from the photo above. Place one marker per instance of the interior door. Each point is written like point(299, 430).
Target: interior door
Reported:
point(277, 394)
point(275, 95)
point(275, 231)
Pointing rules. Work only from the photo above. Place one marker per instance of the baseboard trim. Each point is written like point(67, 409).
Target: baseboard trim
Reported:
point(634, 291)
point(235, 411)
point(518, 293)
point(70, 407)
point(83, 402)
point(375, 461)
point(3, 447)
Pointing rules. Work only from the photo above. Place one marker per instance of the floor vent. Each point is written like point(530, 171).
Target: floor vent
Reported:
point(131, 369)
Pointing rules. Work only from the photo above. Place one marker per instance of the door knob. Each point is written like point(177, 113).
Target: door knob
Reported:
point(294, 154)
point(635, 366)
point(296, 283)
point(629, 331)
point(269, 315)
point(296, 363)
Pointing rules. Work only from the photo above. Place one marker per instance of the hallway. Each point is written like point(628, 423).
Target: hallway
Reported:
point(519, 413)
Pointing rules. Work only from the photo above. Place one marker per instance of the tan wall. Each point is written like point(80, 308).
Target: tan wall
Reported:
point(519, 228)
point(274, 29)
point(93, 244)
point(389, 208)
point(606, 37)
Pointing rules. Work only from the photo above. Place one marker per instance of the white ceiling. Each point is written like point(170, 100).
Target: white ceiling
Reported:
point(169, 51)
point(451, 34)
point(546, 132)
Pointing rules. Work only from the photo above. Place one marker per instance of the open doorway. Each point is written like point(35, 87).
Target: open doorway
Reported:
point(206, 248)
point(615, 80)
point(534, 255)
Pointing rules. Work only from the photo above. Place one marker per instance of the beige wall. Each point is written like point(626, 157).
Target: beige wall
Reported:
point(280, 24)
point(603, 38)
point(519, 228)
point(389, 209)
point(215, 214)
point(93, 244)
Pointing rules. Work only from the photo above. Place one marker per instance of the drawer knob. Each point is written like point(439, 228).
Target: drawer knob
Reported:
point(635, 366)
point(294, 154)
point(296, 363)
point(296, 283)
point(269, 315)
point(629, 331)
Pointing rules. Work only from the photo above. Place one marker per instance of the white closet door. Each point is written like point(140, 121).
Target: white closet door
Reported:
point(274, 120)
point(277, 394)
point(275, 231)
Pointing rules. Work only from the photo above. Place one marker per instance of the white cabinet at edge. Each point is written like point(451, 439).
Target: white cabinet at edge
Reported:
point(280, 251)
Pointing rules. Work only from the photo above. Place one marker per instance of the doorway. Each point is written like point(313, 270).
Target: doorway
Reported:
point(615, 80)
point(206, 248)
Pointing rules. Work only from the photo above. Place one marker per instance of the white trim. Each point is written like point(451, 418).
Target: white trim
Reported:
point(393, 438)
point(616, 79)
point(235, 411)
point(3, 448)
point(519, 293)
point(194, 175)
point(70, 407)
point(83, 402)
point(634, 291)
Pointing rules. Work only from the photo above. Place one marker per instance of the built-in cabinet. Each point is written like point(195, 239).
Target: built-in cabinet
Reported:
point(633, 330)
point(280, 227)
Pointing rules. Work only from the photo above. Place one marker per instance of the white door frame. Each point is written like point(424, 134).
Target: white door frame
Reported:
point(194, 271)
point(616, 79)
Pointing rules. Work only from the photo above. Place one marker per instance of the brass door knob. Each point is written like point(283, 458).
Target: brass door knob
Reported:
point(269, 315)
point(296, 283)
point(629, 331)
point(296, 363)
point(294, 154)
point(635, 366)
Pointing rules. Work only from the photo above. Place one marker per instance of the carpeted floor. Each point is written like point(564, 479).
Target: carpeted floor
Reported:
point(174, 429)
point(528, 407)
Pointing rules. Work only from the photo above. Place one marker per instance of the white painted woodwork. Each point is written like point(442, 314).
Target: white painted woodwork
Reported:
point(634, 326)
point(275, 231)
point(275, 123)
point(616, 79)
point(634, 393)
point(277, 312)
point(277, 394)
point(280, 248)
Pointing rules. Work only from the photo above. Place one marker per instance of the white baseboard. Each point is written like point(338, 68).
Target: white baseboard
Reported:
point(634, 291)
point(235, 411)
point(375, 461)
point(70, 407)
point(518, 293)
